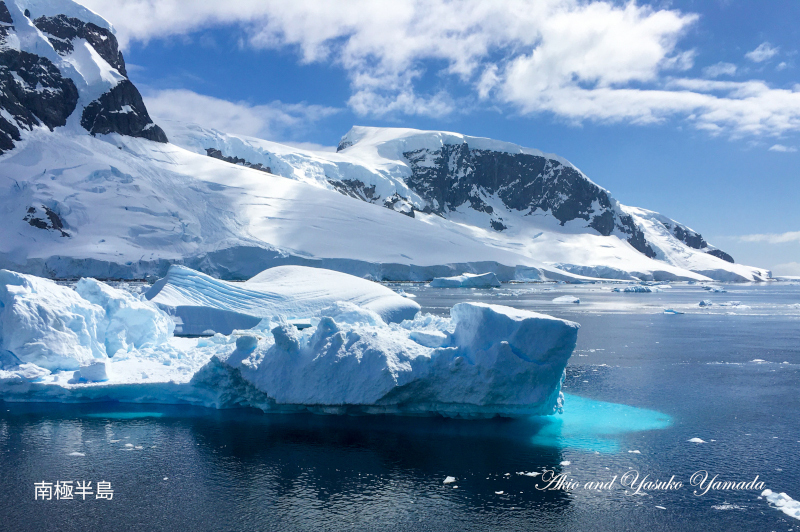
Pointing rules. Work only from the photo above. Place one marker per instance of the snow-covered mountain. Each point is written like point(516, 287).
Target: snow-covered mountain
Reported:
point(536, 203)
point(89, 185)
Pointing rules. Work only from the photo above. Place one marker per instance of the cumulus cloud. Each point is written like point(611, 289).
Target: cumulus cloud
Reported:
point(577, 60)
point(773, 238)
point(764, 52)
point(782, 148)
point(719, 69)
point(273, 120)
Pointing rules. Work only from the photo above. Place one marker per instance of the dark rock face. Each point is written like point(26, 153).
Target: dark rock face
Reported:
point(343, 145)
point(455, 175)
point(62, 30)
point(217, 154)
point(355, 189)
point(695, 240)
point(5, 16)
point(22, 78)
point(121, 110)
point(45, 219)
point(34, 92)
point(691, 238)
point(720, 255)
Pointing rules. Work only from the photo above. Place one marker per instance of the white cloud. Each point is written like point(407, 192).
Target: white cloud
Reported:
point(579, 60)
point(787, 268)
point(781, 66)
point(719, 69)
point(764, 52)
point(273, 120)
point(773, 238)
point(782, 148)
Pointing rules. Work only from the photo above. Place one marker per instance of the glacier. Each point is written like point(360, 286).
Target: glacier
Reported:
point(95, 342)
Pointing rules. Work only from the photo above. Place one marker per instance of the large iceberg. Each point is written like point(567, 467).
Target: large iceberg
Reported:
point(203, 304)
point(467, 280)
point(98, 343)
point(495, 361)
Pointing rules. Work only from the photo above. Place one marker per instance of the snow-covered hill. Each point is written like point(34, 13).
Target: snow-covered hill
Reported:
point(539, 204)
point(89, 185)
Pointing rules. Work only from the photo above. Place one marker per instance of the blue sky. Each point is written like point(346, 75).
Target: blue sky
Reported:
point(688, 108)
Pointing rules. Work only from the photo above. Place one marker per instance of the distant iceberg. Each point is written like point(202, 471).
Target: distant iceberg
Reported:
point(637, 289)
point(467, 280)
point(98, 343)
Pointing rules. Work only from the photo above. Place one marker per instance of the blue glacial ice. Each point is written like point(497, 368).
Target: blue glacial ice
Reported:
point(98, 343)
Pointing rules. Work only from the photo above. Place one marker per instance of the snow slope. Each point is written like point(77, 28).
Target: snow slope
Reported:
point(291, 292)
point(373, 165)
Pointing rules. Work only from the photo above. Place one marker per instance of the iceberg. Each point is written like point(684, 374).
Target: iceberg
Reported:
point(637, 289)
point(483, 361)
point(58, 328)
point(496, 361)
point(48, 325)
point(203, 304)
point(566, 299)
point(467, 280)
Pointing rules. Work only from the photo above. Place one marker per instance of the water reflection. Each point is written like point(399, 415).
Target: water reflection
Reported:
point(590, 425)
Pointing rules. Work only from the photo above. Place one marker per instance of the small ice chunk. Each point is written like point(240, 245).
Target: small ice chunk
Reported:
point(498, 492)
point(449, 480)
point(635, 451)
point(565, 463)
point(672, 311)
point(129, 445)
point(706, 303)
point(697, 440)
point(566, 299)
point(660, 507)
point(76, 453)
point(94, 372)
point(166, 478)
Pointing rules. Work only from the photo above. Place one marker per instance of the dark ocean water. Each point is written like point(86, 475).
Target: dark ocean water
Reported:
point(640, 380)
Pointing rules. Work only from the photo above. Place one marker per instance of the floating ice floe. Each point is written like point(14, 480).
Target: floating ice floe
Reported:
point(467, 280)
point(566, 299)
point(449, 480)
point(485, 360)
point(639, 289)
point(715, 289)
point(783, 502)
point(672, 311)
point(204, 304)
point(705, 303)
point(696, 440)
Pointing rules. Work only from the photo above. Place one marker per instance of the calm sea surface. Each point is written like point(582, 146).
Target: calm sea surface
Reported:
point(640, 384)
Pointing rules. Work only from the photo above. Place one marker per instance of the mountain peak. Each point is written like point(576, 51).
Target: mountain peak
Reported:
point(60, 66)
